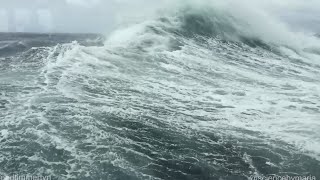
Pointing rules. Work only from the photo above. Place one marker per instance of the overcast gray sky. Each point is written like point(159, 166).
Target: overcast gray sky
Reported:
point(101, 15)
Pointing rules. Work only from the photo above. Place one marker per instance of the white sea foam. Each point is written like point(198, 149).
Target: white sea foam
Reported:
point(226, 88)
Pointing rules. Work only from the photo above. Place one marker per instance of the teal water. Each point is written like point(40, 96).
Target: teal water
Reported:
point(165, 103)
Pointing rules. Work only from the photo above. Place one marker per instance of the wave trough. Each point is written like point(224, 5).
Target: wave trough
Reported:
point(195, 93)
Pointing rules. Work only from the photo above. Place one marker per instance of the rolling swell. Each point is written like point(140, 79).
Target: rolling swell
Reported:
point(179, 97)
point(15, 43)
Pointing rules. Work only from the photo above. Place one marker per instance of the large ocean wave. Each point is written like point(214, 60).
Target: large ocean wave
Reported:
point(198, 91)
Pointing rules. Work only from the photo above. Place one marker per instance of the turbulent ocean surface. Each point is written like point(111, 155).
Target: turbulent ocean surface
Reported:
point(187, 95)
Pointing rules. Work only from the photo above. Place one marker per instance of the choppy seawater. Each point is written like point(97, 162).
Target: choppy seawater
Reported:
point(157, 105)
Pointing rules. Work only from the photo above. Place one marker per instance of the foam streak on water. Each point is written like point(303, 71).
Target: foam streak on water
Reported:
point(166, 101)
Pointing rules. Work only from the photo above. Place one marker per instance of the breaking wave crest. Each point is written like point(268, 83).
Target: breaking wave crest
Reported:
point(229, 21)
point(198, 91)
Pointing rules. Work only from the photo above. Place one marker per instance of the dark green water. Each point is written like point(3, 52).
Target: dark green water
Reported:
point(160, 106)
